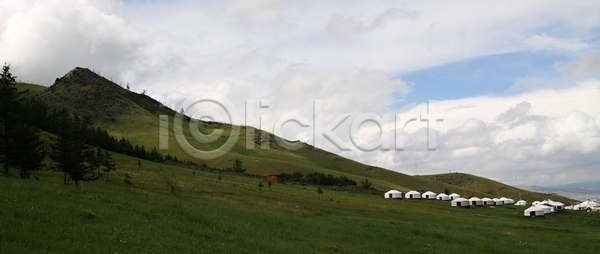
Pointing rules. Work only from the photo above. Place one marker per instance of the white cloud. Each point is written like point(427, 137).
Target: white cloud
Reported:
point(544, 41)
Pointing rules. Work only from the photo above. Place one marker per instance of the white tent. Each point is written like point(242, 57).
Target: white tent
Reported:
point(475, 201)
point(488, 201)
point(534, 212)
point(587, 205)
point(535, 202)
point(454, 196)
point(506, 201)
point(393, 194)
point(521, 203)
point(497, 201)
point(428, 195)
point(558, 206)
point(413, 194)
point(546, 209)
point(460, 202)
point(442, 196)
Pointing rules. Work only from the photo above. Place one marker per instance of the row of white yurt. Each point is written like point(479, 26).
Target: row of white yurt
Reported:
point(460, 202)
point(534, 212)
point(442, 196)
point(393, 194)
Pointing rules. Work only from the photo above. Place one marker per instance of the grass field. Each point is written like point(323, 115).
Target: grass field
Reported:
point(175, 210)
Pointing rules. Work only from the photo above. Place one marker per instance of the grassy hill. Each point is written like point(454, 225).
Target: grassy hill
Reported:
point(135, 116)
point(493, 188)
point(169, 209)
point(34, 89)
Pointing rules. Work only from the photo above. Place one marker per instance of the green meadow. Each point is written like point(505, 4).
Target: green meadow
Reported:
point(161, 208)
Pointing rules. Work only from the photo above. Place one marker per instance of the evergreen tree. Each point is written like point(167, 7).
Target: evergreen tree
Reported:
point(10, 117)
point(28, 150)
point(237, 166)
point(69, 152)
point(108, 164)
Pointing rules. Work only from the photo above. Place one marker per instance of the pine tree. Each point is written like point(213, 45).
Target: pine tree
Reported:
point(108, 164)
point(69, 152)
point(11, 101)
point(28, 150)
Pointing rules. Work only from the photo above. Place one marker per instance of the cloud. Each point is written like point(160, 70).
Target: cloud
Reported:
point(42, 40)
point(514, 112)
point(340, 27)
point(544, 41)
point(588, 65)
point(524, 83)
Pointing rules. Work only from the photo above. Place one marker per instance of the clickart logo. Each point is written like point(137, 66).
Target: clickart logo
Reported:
point(207, 106)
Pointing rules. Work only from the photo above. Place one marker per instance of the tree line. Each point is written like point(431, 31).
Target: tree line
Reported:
point(317, 178)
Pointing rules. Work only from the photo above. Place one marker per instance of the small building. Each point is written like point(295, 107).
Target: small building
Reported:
point(274, 178)
point(488, 201)
point(475, 201)
point(428, 195)
point(454, 196)
point(534, 212)
point(393, 194)
point(442, 196)
point(413, 194)
point(521, 203)
point(460, 202)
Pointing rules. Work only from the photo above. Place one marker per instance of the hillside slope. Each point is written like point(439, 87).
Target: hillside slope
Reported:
point(135, 116)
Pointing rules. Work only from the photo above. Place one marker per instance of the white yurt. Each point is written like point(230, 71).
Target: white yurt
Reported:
point(534, 212)
point(442, 196)
point(488, 201)
point(506, 201)
point(497, 201)
point(558, 206)
point(535, 202)
point(428, 195)
point(413, 194)
point(521, 203)
point(454, 196)
point(546, 209)
point(475, 201)
point(586, 205)
point(460, 202)
point(393, 194)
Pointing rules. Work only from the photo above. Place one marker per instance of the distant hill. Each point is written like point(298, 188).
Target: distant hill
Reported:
point(34, 89)
point(493, 188)
point(135, 116)
point(580, 191)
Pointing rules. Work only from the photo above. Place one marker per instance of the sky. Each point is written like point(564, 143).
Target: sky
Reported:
point(511, 89)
